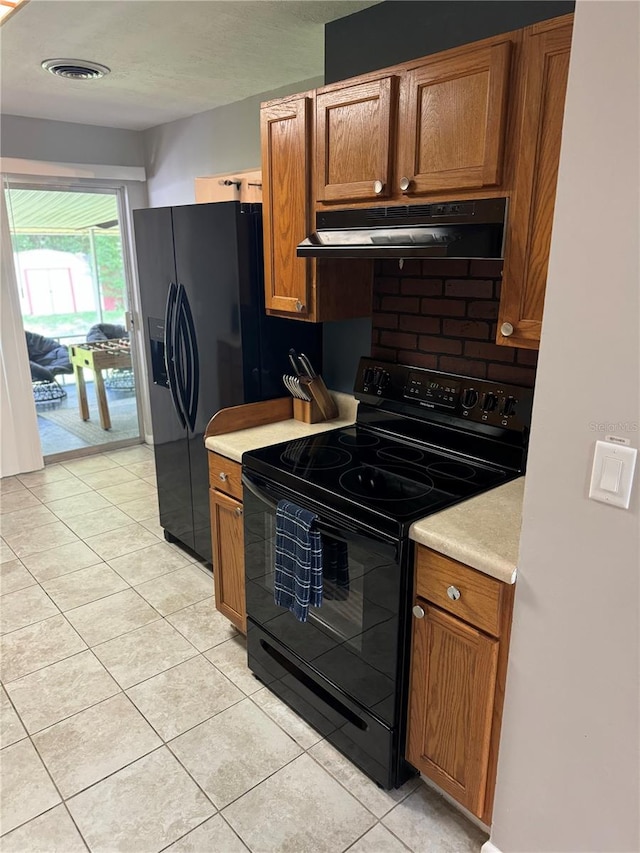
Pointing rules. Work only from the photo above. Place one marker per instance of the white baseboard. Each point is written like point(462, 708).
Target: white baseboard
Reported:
point(488, 847)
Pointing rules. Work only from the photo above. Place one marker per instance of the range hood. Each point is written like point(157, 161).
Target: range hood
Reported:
point(457, 229)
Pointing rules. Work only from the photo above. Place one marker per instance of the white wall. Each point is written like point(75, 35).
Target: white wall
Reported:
point(209, 143)
point(66, 142)
point(568, 777)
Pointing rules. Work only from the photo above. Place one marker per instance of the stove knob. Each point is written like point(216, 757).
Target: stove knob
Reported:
point(469, 398)
point(509, 407)
point(368, 376)
point(489, 403)
point(385, 379)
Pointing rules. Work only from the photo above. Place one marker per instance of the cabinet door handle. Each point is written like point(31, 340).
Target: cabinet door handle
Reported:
point(405, 183)
point(299, 306)
point(378, 186)
point(454, 593)
point(224, 477)
point(506, 329)
point(238, 511)
point(418, 612)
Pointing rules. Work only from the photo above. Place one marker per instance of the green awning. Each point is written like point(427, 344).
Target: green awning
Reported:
point(60, 212)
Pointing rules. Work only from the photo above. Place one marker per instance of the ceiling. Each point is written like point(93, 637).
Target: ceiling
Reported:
point(168, 59)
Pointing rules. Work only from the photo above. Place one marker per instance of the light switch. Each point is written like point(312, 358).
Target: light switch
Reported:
point(612, 473)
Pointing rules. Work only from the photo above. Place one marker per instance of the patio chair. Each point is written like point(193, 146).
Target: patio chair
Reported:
point(48, 358)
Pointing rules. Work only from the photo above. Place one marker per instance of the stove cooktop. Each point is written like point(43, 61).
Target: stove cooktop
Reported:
point(385, 483)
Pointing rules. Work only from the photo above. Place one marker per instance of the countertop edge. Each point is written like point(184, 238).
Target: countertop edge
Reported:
point(482, 532)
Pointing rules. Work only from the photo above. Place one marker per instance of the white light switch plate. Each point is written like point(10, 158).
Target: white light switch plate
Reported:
point(612, 474)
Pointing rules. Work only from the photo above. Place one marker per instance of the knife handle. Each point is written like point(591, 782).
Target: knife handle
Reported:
point(304, 361)
point(318, 391)
point(293, 358)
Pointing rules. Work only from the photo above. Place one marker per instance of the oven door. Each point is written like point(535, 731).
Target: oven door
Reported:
point(343, 668)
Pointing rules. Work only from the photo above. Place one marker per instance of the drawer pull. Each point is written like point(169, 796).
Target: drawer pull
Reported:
point(418, 612)
point(238, 511)
point(454, 593)
point(224, 477)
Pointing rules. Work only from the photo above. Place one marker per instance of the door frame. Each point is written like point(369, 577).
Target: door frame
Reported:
point(120, 190)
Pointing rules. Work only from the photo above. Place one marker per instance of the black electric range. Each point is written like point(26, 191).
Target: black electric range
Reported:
point(423, 441)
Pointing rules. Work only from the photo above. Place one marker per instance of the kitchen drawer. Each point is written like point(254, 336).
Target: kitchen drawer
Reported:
point(225, 475)
point(481, 598)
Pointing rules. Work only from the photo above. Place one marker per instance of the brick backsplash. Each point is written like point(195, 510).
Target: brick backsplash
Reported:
point(442, 313)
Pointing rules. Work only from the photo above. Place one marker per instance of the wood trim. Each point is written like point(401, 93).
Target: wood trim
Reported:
point(285, 99)
point(249, 415)
point(497, 113)
point(506, 621)
point(550, 24)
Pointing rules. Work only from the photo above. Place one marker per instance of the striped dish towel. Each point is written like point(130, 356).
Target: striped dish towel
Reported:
point(298, 564)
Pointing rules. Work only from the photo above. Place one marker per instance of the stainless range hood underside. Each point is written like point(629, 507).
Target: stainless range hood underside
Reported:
point(471, 229)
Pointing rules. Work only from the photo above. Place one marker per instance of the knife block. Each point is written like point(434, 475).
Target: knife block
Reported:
point(307, 413)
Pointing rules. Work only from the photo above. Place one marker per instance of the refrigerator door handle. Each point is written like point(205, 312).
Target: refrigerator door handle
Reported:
point(187, 335)
point(170, 352)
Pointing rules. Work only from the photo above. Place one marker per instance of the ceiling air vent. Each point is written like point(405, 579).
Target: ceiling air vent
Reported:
point(75, 69)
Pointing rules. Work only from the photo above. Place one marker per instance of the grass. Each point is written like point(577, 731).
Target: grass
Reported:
point(69, 325)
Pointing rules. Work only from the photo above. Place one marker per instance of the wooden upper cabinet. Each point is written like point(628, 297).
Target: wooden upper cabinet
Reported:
point(453, 115)
point(286, 150)
point(451, 703)
point(354, 141)
point(528, 239)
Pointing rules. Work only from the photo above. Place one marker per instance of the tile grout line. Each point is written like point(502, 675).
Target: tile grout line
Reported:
point(52, 780)
point(165, 743)
point(6, 684)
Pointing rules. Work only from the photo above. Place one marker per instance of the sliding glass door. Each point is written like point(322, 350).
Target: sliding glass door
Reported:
point(74, 293)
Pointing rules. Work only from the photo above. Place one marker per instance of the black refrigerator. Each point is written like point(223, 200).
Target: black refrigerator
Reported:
point(209, 343)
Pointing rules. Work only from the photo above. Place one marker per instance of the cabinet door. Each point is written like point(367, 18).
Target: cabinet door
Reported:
point(227, 539)
point(453, 680)
point(285, 135)
point(354, 135)
point(452, 121)
point(546, 57)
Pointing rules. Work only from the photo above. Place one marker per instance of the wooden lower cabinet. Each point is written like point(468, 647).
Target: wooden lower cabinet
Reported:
point(451, 703)
point(457, 684)
point(227, 534)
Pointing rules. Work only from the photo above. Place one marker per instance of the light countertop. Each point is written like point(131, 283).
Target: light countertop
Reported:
point(483, 532)
point(234, 444)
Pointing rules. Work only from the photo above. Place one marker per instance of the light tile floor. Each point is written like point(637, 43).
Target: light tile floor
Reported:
point(129, 720)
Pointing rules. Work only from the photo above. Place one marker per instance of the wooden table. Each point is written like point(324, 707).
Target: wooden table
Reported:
point(99, 356)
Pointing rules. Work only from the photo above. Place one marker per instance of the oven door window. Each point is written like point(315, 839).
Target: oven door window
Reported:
point(352, 638)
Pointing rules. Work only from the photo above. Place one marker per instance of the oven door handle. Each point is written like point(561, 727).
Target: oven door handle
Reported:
point(321, 525)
